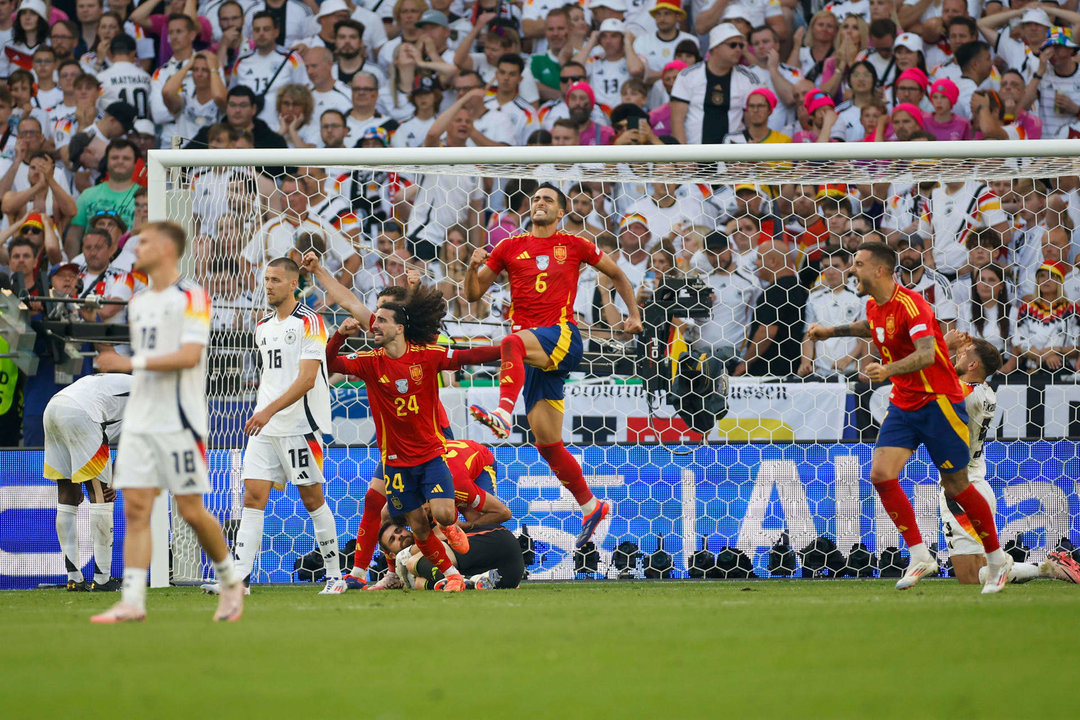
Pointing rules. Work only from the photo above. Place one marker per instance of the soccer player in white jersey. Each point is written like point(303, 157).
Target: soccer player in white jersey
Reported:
point(124, 81)
point(161, 442)
point(976, 360)
point(80, 422)
point(292, 410)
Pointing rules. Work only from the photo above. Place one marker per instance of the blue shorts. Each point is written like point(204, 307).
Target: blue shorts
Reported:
point(563, 345)
point(409, 487)
point(485, 479)
point(381, 473)
point(939, 425)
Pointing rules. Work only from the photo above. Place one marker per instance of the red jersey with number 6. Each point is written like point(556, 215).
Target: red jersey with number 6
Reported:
point(466, 460)
point(544, 275)
point(894, 327)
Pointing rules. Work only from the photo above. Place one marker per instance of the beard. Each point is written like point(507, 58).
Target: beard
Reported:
point(580, 116)
point(348, 54)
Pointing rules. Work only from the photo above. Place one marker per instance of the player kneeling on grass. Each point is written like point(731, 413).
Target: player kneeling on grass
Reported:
point(401, 378)
point(975, 360)
point(493, 560)
point(80, 422)
point(291, 413)
point(161, 444)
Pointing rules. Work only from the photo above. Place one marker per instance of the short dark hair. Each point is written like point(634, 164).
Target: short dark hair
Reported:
point(395, 292)
point(989, 357)
point(264, 15)
point(882, 27)
point(68, 61)
point(336, 112)
point(511, 59)
point(560, 196)
point(352, 25)
point(765, 28)
point(575, 63)
point(421, 314)
point(120, 144)
point(392, 522)
point(192, 26)
point(882, 254)
point(20, 240)
point(838, 253)
point(245, 92)
point(122, 44)
point(967, 52)
point(173, 231)
point(966, 21)
point(46, 49)
point(287, 263)
point(97, 231)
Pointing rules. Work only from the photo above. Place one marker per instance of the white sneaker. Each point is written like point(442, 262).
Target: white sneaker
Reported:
point(119, 613)
point(334, 586)
point(915, 572)
point(231, 603)
point(215, 588)
point(997, 576)
point(488, 580)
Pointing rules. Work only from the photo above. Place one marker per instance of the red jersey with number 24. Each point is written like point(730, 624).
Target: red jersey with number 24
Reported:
point(544, 275)
point(894, 327)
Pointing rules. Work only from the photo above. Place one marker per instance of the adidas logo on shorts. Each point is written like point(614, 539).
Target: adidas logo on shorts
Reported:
point(303, 475)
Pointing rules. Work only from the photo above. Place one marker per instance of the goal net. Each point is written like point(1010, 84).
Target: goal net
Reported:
point(732, 251)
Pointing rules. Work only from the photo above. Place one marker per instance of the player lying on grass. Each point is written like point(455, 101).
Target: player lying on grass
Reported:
point(472, 466)
point(401, 377)
point(375, 497)
point(544, 268)
point(976, 360)
point(926, 407)
point(493, 560)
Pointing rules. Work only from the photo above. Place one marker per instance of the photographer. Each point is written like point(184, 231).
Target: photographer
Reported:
point(733, 294)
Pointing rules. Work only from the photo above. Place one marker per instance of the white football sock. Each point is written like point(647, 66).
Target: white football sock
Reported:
point(919, 553)
point(1022, 572)
point(248, 540)
point(326, 537)
point(69, 540)
point(996, 558)
point(101, 531)
point(226, 572)
point(134, 588)
point(589, 506)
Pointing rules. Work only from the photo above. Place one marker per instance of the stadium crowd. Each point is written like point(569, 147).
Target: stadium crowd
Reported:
point(92, 86)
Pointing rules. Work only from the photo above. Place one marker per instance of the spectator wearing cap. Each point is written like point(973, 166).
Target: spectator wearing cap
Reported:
point(1056, 85)
point(707, 100)
point(910, 87)
point(514, 219)
point(610, 60)
point(907, 53)
point(821, 119)
point(976, 66)
point(436, 56)
point(906, 121)
point(33, 229)
point(31, 28)
point(760, 104)
point(144, 135)
point(734, 292)
point(580, 103)
point(182, 31)
point(778, 77)
point(1047, 326)
point(425, 99)
point(1022, 53)
point(660, 116)
point(45, 194)
point(632, 258)
point(935, 287)
point(944, 124)
point(116, 193)
point(658, 49)
point(329, 14)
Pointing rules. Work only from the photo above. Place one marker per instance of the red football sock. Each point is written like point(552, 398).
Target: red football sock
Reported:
point(897, 504)
point(367, 537)
point(434, 551)
point(981, 516)
point(566, 468)
point(512, 372)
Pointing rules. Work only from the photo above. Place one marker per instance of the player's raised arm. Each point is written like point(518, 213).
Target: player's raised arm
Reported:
point(340, 294)
point(626, 291)
point(816, 332)
point(334, 362)
point(479, 276)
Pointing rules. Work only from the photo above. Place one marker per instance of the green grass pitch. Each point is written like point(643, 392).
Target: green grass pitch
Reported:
point(791, 649)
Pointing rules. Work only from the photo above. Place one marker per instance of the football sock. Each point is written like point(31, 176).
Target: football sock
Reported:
point(1022, 572)
point(568, 471)
point(69, 541)
point(101, 531)
point(511, 372)
point(134, 587)
point(326, 537)
point(897, 504)
point(248, 540)
point(435, 551)
point(367, 537)
point(227, 573)
point(982, 520)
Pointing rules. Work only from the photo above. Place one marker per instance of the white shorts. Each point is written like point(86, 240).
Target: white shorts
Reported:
point(76, 448)
point(959, 533)
point(296, 459)
point(173, 461)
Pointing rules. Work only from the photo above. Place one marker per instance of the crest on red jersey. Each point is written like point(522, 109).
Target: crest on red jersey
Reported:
point(416, 372)
point(890, 325)
point(560, 254)
point(542, 262)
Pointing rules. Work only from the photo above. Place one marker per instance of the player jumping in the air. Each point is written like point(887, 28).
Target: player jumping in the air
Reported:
point(544, 268)
point(975, 360)
point(401, 377)
point(80, 422)
point(926, 407)
point(291, 413)
point(161, 443)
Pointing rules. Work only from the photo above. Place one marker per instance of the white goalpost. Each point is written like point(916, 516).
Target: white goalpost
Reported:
point(781, 465)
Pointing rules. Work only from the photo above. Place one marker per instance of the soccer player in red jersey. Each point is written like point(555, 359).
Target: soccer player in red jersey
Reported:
point(401, 376)
point(926, 407)
point(543, 267)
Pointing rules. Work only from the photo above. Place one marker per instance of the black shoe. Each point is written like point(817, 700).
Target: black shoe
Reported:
point(77, 586)
point(111, 585)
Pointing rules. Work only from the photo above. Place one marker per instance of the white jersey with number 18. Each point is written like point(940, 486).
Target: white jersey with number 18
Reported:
point(981, 404)
point(162, 321)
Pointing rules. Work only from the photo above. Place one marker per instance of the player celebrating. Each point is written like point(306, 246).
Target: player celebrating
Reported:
point(976, 359)
point(161, 442)
point(80, 422)
point(926, 407)
point(543, 267)
point(291, 412)
point(401, 377)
